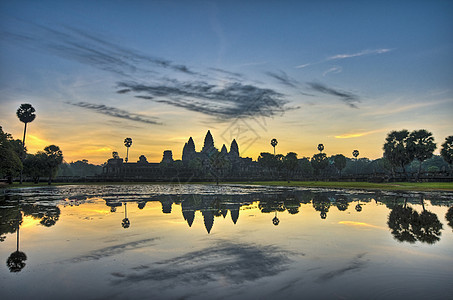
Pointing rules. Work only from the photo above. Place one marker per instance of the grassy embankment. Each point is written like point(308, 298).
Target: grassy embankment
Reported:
point(406, 186)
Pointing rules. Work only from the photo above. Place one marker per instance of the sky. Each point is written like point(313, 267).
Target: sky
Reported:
point(340, 73)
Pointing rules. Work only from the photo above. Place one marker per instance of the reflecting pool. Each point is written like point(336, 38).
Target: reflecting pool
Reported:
point(228, 241)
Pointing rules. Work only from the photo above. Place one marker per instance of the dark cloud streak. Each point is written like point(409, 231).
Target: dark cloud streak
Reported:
point(284, 79)
point(116, 112)
point(348, 98)
point(230, 101)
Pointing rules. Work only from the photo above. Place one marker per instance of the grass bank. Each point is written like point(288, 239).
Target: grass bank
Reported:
point(396, 186)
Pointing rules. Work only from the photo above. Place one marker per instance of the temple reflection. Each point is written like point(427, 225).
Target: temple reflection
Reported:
point(404, 222)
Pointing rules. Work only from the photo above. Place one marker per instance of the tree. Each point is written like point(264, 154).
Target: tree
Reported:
point(274, 143)
point(339, 161)
point(396, 149)
point(290, 163)
point(319, 162)
point(54, 157)
point(320, 147)
point(128, 144)
point(421, 145)
point(447, 150)
point(305, 167)
point(35, 165)
point(10, 163)
point(26, 114)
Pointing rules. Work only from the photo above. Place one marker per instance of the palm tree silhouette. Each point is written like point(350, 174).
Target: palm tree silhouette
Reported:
point(358, 207)
point(16, 261)
point(26, 114)
point(355, 153)
point(274, 143)
point(127, 143)
point(275, 220)
point(320, 147)
point(125, 223)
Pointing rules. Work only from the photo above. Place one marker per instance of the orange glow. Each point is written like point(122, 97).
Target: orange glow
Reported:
point(29, 221)
point(359, 224)
point(354, 135)
point(35, 143)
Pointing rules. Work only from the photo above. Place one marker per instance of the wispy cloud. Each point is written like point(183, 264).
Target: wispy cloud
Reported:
point(234, 263)
point(283, 78)
point(229, 101)
point(396, 107)
point(116, 112)
point(359, 134)
point(333, 70)
point(225, 72)
point(113, 250)
point(349, 98)
point(77, 45)
point(357, 54)
point(346, 55)
point(356, 264)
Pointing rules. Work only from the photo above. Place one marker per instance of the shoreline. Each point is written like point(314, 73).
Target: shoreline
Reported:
point(394, 186)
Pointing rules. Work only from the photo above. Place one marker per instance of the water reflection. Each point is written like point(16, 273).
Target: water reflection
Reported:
point(186, 242)
point(12, 213)
point(125, 222)
point(449, 216)
point(16, 261)
point(407, 225)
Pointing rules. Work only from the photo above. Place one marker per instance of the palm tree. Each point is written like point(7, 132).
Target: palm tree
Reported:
point(275, 220)
point(16, 261)
point(274, 143)
point(422, 146)
point(26, 114)
point(320, 147)
point(355, 153)
point(125, 223)
point(127, 143)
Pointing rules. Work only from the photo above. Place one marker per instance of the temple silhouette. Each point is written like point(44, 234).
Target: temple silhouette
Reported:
point(207, 164)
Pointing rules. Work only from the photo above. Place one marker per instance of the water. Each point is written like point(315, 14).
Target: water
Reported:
point(216, 242)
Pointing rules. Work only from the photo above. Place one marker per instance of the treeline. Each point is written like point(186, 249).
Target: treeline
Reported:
point(16, 161)
point(404, 152)
point(80, 168)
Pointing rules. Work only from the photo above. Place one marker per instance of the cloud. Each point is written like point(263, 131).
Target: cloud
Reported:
point(357, 54)
point(283, 78)
point(116, 112)
point(227, 72)
point(345, 56)
point(355, 264)
point(232, 262)
point(228, 101)
point(348, 98)
point(77, 45)
point(112, 250)
point(354, 135)
point(224, 101)
point(397, 107)
point(334, 70)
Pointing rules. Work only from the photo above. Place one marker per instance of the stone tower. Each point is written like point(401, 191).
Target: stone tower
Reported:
point(208, 143)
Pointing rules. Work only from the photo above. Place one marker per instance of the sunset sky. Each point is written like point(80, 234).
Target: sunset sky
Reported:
point(341, 73)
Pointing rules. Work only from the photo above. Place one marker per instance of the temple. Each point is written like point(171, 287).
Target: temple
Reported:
point(207, 164)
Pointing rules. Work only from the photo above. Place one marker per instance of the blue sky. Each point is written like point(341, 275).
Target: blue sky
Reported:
point(341, 73)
